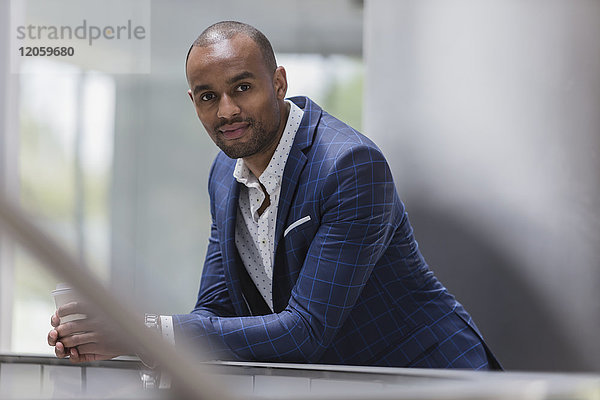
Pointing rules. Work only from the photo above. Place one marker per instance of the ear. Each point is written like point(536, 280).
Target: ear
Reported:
point(190, 94)
point(280, 83)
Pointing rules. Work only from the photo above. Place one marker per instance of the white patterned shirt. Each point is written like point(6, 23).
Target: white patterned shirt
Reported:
point(254, 233)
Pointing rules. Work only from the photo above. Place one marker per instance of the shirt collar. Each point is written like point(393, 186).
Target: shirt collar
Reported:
point(271, 176)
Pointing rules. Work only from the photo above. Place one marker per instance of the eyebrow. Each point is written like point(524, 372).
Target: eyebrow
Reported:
point(238, 77)
point(199, 88)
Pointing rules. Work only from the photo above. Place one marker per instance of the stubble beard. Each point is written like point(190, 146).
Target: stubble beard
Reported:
point(259, 139)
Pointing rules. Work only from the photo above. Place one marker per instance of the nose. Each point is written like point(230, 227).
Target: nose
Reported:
point(227, 108)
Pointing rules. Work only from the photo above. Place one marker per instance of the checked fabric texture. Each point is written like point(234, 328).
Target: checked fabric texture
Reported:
point(349, 283)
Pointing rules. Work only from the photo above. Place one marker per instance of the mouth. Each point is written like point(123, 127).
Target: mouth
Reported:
point(234, 131)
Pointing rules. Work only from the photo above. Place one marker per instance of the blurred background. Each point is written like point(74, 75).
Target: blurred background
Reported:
point(488, 112)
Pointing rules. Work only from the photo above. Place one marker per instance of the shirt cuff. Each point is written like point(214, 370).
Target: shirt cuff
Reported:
point(166, 326)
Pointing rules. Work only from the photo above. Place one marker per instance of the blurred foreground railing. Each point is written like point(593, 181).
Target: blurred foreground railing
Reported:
point(43, 377)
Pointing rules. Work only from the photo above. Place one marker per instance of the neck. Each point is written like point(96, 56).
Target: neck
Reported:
point(257, 163)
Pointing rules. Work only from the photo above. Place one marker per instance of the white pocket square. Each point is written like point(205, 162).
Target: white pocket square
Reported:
point(296, 224)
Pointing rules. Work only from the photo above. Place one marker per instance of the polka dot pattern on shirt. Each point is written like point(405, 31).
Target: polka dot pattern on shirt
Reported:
point(254, 233)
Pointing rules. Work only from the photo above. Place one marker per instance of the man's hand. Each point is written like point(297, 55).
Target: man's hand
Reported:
point(89, 339)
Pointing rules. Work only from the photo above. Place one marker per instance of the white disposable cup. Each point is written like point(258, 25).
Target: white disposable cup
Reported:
point(63, 295)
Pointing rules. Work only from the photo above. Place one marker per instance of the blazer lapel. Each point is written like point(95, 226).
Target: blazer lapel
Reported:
point(294, 165)
point(293, 168)
point(296, 161)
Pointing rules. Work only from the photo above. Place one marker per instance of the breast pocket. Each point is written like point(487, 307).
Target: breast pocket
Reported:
point(297, 224)
point(298, 236)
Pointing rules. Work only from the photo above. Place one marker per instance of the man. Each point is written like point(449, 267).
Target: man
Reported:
point(311, 256)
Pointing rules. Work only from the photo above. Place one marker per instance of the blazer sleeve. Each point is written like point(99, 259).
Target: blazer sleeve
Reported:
point(213, 298)
point(360, 210)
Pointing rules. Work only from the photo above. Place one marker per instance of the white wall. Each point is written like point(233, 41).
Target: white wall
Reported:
point(489, 114)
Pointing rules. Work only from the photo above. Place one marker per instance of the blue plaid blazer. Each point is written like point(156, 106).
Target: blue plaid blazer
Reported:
point(349, 283)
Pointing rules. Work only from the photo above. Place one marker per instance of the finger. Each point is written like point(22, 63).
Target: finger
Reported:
point(74, 307)
point(92, 352)
point(71, 327)
point(55, 320)
point(59, 354)
point(59, 350)
point(92, 349)
point(92, 357)
point(79, 339)
point(87, 349)
point(74, 355)
point(99, 351)
point(52, 337)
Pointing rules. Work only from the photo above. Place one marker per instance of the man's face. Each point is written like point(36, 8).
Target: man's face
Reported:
point(237, 98)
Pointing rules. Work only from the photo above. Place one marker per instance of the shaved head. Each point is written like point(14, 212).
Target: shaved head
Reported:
point(226, 30)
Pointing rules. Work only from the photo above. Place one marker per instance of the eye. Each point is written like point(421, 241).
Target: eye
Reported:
point(207, 96)
point(243, 87)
